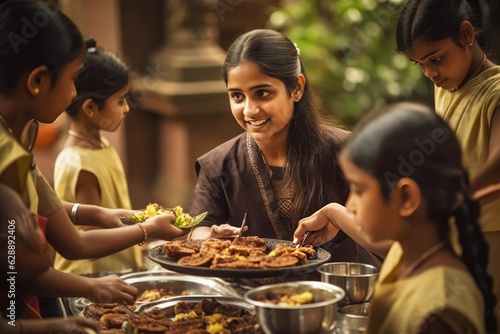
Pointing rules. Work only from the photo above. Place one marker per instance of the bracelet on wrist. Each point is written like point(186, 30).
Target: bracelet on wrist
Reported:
point(73, 213)
point(144, 235)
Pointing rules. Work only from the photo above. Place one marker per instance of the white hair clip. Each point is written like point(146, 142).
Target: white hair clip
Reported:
point(297, 48)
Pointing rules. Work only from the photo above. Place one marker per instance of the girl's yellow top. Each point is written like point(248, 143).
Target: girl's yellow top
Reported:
point(36, 192)
point(106, 166)
point(469, 111)
point(402, 306)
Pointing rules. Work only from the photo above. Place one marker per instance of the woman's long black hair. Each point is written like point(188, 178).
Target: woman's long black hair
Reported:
point(410, 140)
point(311, 164)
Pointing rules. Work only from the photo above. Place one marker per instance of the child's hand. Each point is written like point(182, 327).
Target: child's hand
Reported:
point(321, 229)
point(74, 324)
point(110, 218)
point(162, 227)
point(110, 289)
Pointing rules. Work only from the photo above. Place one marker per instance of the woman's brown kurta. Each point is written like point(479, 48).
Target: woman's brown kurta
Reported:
point(232, 180)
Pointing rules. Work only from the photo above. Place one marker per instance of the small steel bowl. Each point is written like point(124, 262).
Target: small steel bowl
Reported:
point(316, 317)
point(356, 279)
point(352, 319)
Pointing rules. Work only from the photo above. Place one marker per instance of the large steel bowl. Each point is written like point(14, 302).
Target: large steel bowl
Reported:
point(357, 279)
point(316, 317)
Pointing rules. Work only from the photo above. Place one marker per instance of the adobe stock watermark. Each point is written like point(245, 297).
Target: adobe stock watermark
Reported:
point(31, 26)
point(222, 6)
point(407, 165)
point(151, 78)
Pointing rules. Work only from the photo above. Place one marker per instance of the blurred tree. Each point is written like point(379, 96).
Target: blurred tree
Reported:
point(348, 47)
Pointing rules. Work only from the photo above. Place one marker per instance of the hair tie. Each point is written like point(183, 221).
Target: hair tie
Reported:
point(297, 48)
point(459, 199)
point(92, 50)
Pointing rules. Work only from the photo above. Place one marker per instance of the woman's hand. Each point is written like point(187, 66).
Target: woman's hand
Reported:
point(321, 229)
point(225, 231)
point(110, 289)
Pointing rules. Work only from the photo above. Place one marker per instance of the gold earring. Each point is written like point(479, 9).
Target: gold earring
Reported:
point(470, 43)
point(91, 113)
point(36, 92)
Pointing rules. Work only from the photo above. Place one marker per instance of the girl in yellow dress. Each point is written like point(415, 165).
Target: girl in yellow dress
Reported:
point(41, 54)
point(89, 170)
point(447, 40)
point(403, 166)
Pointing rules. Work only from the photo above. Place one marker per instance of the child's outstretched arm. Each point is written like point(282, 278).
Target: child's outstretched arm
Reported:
point(74, 324)
point(74, 245)
point(106, 289)
point(94, 215)
point(325, 224)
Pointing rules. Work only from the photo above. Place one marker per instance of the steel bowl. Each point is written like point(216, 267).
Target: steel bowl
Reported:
point(352, 319)
point(316, 317)
point(356, 279)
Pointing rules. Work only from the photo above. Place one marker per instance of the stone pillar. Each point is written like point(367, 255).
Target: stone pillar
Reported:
point(184, 93)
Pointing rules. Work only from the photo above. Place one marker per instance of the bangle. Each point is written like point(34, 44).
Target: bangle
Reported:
point(144, 233)
point(73, 213)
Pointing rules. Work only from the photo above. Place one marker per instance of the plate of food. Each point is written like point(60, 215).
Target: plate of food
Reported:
point(245, 257)
point(182, 219)
point(187, 314)
point(154, 286)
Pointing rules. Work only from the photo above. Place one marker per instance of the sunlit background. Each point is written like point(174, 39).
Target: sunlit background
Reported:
point(175, 49)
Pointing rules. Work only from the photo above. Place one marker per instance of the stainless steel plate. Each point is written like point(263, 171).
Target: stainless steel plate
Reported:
point(169, 304)
point(174, 282)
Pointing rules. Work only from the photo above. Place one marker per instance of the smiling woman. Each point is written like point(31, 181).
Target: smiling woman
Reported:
point(284, 166)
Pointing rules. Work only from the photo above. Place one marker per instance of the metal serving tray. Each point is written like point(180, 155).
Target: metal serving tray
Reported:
point(176, 283)
point(168, 305)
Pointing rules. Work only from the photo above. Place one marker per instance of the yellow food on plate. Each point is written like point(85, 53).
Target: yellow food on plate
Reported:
point(182, 220)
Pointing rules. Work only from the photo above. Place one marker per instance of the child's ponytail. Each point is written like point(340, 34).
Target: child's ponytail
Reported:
point(475, 253)
point(103, 74)
point(477, 20)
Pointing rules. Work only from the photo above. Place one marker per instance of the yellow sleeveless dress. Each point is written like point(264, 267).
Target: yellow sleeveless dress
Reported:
point(106, 166)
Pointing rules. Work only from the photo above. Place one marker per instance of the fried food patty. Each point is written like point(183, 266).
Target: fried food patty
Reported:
point(240, 253)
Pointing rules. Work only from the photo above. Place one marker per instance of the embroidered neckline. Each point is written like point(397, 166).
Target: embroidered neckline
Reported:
point(262, 189)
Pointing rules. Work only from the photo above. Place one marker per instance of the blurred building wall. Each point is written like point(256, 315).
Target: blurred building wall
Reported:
point(174, 120)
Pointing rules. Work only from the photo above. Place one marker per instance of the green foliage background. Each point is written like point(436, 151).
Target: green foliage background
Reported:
point(348, 48)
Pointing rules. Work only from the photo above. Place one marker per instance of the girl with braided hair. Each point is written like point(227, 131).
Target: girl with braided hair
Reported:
point(446, 38)
point(403, 166)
